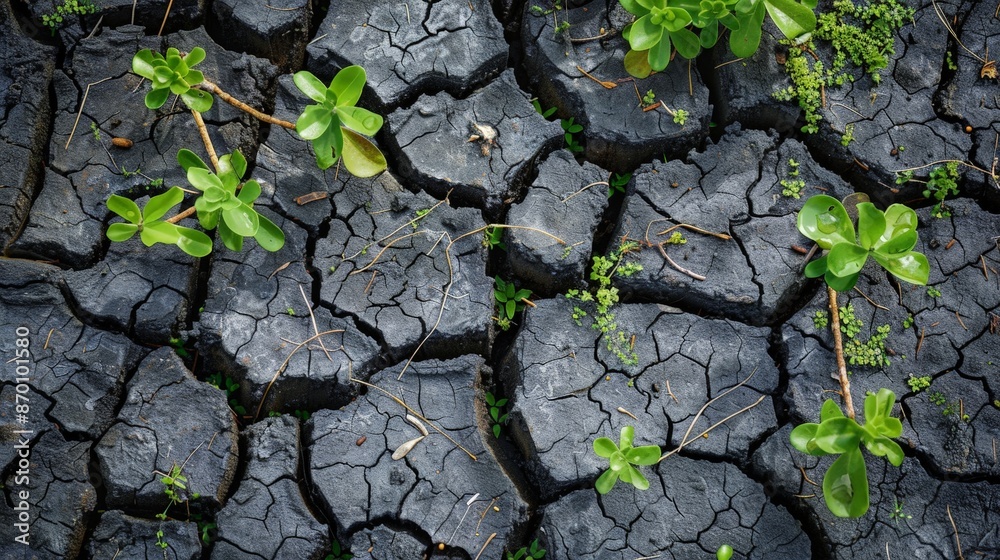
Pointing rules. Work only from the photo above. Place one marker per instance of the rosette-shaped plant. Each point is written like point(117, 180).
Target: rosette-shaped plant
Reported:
point(335, 125)
point(887, 237)
point(622, 458)
point(173, 74)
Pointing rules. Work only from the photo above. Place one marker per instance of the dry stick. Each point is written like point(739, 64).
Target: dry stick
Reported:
point(400, 402)
point(403, 226)
point(838, 350)
point(605, 183)
point(870, 300)
point(284, 364)
point(958, 542)
point(207, 141)
point(164, 23)
point(679, 268)
point(243, 106)
point(685, 440)
point(485, 544)
point(80, 111)
point(313, 319)
point(451, 282)
point(132, 22)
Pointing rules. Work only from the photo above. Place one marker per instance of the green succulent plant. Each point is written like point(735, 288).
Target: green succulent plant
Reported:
point(335, 125)
point(173, 74)
point(845, 484)
point(221, 206)
point(889, 237)
point(623, 458)
point(151, 228)
point(688, 26)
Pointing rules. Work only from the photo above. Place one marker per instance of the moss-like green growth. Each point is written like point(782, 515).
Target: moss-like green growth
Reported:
point(792, 188)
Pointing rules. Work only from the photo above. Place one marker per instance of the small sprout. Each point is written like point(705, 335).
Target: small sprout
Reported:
point(498, 418)
point(570, 128)
point(680, 116)
point(908, 322)
point(792, 188)
point(897, 511)
point(848, 136)
point(677, 238)
point(793, 168)
point(623, 459)
point(918, 384)
point(290, 311)
point(649, 98)
point(821, 319)
point(933, 292)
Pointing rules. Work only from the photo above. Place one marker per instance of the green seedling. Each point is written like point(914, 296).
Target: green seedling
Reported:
point(227, 204)
point(918, 384)
point(897, 512)
point(623, 459)
point(509, 300)
point(226, 384)
point(649, 98)
point(335, 125)
point(337, 552)
point(617, 183)
point(66, 9)
point(889, 237)
point(845, 484)
point(793, 168)
point(570, 128)
point(151, 228)
point(792, 188)
point(933, 292)
point(173, 74)
point(546, 113)
point(493, 238)
point(665, 26)
point(821, 319)
point(676, 238)
point(848, 135)
point(534, 552)
point(95, 131)
point(498, 417)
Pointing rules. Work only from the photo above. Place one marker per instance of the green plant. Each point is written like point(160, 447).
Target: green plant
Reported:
point(151, 228)
point(933, 292)
point(649, 98)
point(845, 484)
point(205, 527)
point(497, 416)
point(570, 128)
point(887, 237)
point(724, 552)
point(173, 74)
point(177, 344)
point(918, 384)
point(938, 398)
point(792, 188)
point(493, 238)
point(676, 238)
point(538, 107)
point(687, 26)
point(227, 204)
point(335, 124)
point(897, 511)
point(848, 135)
point(871, 352)
point(943, 181)
point(226, 384)
point(908, 322)
point(302, 415)
point(509, 300)
point(821, 319)
point(95, 131)
point(793, 168)
point(623, 459)
point(680, 116)
point(526, 553)
point(67, 8)
point(337, 552)
point(862, 33)
point(605, 296)
point(617, 183)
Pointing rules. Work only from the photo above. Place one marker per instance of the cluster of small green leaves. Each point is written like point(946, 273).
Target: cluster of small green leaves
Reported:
point(897, 511)
point(493, 238)
point(175, 489)
point(604, 298)
point(889, 237)
point(151, 228)
point(623, 459)
point(509, 300)
point(335, 124)
point(848, 135)
point(933, 292)
point(680, 116)
point(792, 188)
point(918, 384)
point(665, 26)
point(948, 408)
point(908, 322)
point(570, 129)
point(845, 484)
point(497, 416)
point(534, 552)
point(943, 181)
point(617, 183)
point(676, 238)
point(862, 34)
point(173, 74)
point(337, 552)
point(821, 319)
point(67, 8)
point(226, 384)
point(871, 352)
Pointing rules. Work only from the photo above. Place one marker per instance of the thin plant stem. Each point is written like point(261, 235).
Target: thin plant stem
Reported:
point(244, 107)
point(205, 139)
point(838, 350)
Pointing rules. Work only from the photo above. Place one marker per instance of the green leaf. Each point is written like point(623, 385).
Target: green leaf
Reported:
point(360, 119)
point(845, 485)
point(178, 87)
point(604, 447)
point(495, 413)
point(348, 84)
point(636, 478)
point(207, 217)
point(911, 267)
point(249, 193)
point(633, 7)
point(830, 410)
point(885, 447)
point(196, 55)
point(361, 157)
point(643, 455)
point(193, 242)
point(709, 35)
point(645, 34)
point(899, 219)
point(816, 268)
point(269, 236)
point(313, 122)
point(841, 283)
point(606, 481)
point(161, 204)
point(846, 259)
point(323, 146)
point(745, 40)
point(121, 232)
point(142, 63)
point(658, 56)
point(792, 18)
point(159, 232)
point(239, 164)
point(203, 179)
point(838, 435)
point(803, 438)
point(898, 245)
point(232, 241)
point(496, 430)
point(502, 402)
point(188, 159)
point(871, 225)
point(242, 220)
point(637, 64)
point(156, 98)
point(686, 42)
point(125, 208)
point(310, 85)
point(625, 440)
point(824, 220)
point(511, 308)
point(197, 100)
point(194, 77)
